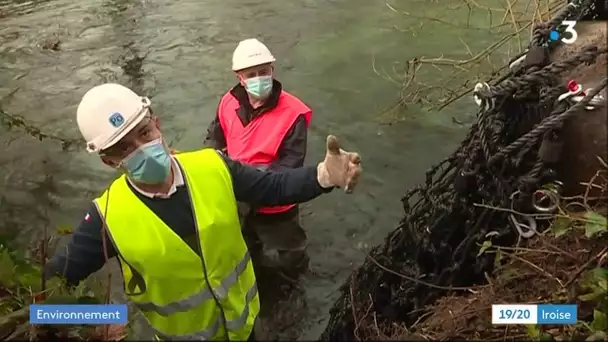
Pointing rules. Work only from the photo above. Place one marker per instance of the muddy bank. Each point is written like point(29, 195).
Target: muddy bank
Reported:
point(512, 150)
point(560, 267)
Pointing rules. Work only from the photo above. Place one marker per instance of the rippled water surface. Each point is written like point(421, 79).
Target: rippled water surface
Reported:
point(179, 52)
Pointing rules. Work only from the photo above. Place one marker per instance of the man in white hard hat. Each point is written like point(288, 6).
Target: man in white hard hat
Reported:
point(172, 220)
point(260, 124)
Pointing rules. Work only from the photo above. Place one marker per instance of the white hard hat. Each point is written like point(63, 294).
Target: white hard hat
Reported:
point(107, 113)
point(249, 53)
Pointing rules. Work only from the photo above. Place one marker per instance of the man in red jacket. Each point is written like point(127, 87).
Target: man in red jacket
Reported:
point(260, 124)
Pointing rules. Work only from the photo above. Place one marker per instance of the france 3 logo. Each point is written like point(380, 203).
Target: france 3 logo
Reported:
point(567, 36)
point(596, 11)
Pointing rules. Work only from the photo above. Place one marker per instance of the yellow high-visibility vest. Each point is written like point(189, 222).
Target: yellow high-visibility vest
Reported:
point(184, 296)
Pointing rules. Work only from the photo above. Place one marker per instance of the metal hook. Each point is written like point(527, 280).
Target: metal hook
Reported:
point(530, 228)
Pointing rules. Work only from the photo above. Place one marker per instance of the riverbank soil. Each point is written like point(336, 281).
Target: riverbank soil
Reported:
point(548, 269)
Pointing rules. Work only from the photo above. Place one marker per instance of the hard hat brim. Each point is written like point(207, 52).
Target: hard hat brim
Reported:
point(128, 127)
point(254, 63)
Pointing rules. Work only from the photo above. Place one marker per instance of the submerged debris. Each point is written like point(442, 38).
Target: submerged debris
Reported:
point(52, 43)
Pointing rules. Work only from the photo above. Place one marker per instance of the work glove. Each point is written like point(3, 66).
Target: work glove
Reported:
point(340, 168)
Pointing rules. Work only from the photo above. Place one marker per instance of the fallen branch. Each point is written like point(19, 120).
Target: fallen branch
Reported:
point(583, 267)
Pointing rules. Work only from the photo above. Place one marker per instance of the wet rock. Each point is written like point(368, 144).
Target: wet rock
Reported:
point(584, 140)
point(585, 135)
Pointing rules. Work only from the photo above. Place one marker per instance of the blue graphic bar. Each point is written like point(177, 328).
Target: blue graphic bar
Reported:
point(556, 314)
point(78, 314)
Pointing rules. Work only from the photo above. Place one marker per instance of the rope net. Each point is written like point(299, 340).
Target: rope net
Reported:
point(511, 149)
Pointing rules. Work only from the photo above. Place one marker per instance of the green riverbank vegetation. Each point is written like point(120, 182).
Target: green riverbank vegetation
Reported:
point(22, 284)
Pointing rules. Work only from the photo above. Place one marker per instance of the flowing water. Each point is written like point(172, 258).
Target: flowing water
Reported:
point(53, 51)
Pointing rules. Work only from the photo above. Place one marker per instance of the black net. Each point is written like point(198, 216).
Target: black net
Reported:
point(597, 10)
point(512, 148)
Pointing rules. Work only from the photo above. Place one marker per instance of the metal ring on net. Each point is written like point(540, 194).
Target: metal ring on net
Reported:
point(548, 199)
point(540, 196)
point(483, 97)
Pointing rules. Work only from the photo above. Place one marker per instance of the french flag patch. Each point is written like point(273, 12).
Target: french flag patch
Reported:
point(87, 218)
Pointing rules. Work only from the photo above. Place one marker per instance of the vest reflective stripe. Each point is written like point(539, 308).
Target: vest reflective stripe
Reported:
point(258, 143)
point(238, 323)
point(197, 299)
point(174, 281)
point(212, 331)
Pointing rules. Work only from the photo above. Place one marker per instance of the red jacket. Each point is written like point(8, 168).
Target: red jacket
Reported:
point(257, 144)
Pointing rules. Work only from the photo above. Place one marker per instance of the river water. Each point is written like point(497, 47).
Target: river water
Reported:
point(53, 51)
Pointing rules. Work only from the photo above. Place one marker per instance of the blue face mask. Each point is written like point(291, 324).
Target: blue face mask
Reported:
point(150, 164)
point(259, 87)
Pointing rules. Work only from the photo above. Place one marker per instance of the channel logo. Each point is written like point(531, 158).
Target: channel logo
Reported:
point(569, 34)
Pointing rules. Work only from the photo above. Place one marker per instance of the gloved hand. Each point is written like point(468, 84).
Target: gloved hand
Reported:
point(340, 168)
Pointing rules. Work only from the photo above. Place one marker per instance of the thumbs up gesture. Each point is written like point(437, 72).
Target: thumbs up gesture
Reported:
point(340, 168)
